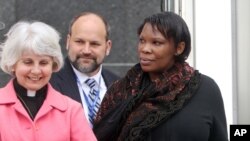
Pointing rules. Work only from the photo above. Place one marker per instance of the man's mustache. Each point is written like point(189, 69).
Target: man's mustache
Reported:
point(85, 57)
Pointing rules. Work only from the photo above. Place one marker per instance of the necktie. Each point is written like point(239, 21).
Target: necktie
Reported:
point(93, 98)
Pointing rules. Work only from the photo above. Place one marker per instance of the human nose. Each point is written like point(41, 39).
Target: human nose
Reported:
point(146, 48)
point(86, 48)
point(36, 69)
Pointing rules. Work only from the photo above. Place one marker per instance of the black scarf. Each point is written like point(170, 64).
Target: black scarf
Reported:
point(135, 105)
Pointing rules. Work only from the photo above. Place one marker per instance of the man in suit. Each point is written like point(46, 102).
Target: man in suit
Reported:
point(87, 46)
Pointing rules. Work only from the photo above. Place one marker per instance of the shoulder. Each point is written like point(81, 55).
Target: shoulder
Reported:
point(209, 91)
point(7, 94)
point(60, 101)
point(71, 102)
point(8, 90)
point(209, 83)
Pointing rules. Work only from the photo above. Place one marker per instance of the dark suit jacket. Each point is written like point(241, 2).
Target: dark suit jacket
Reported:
point(65, 81)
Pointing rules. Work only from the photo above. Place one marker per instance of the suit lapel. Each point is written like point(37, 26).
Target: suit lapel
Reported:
point(108, 77)
point(67, 82)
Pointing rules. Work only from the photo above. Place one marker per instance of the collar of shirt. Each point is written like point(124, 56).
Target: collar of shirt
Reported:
point(82, 77)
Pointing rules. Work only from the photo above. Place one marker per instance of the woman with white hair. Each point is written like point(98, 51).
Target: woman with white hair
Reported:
point(30, 108)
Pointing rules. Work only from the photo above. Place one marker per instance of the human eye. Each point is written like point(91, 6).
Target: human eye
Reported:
point(141, 41)
point(79, 41)
point(44, 62)
point(27, 61)
point(157, 43)
point(95, 44)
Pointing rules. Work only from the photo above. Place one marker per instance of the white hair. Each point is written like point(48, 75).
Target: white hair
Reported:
point(35, 36)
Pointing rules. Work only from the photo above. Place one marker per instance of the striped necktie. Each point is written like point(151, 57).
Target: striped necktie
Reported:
point(93, 98)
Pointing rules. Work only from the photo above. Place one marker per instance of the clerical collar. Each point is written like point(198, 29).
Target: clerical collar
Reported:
point(24, 92)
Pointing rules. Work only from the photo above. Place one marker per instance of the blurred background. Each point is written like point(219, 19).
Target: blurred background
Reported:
point(124, 16)
point(220, 37)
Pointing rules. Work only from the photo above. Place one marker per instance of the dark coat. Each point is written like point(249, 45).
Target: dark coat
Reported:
point(65, 81)
point(202, 119)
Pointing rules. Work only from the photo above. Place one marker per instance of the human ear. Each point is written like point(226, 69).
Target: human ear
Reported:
point(67, 42)
point(55, 67)
point(180, 48)
point(109, 46)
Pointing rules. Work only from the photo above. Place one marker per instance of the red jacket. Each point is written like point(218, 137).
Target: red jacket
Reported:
point(59, 119)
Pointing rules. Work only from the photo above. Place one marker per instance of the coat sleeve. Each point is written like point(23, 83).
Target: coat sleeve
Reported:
point(218, 130)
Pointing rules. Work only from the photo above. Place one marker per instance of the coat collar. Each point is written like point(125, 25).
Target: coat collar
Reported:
point(54, 99)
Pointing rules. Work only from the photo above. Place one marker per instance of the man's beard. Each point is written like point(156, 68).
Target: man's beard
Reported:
point(85, 69)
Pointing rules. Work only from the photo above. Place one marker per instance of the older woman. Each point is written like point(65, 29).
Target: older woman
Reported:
point(30, 109)
point(162, 98)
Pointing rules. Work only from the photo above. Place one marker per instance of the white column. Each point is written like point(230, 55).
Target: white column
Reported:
point(242, 10)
